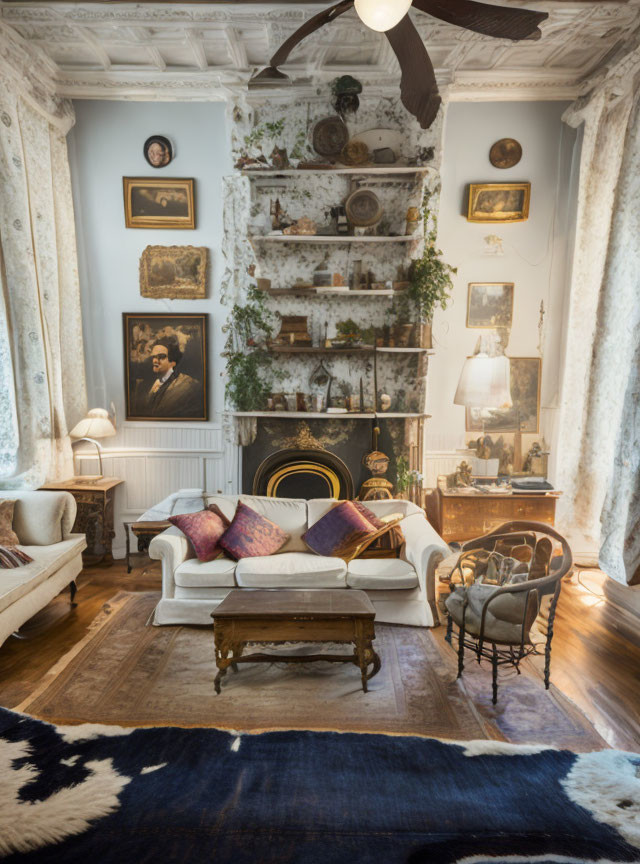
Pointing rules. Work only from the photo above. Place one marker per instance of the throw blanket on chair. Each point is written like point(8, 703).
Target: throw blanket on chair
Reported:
point(110, 795)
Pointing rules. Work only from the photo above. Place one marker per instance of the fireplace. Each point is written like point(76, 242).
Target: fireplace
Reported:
point(303, 473)
point(319, 458)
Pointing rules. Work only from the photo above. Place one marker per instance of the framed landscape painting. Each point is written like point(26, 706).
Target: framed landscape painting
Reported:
point(490, 305)
point(525, 396)
point(151, 202)
point(498, 202)
point(165, 366)
point(176, 272)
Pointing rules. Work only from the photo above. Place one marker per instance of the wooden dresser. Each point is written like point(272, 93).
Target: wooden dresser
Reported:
point(464, 515)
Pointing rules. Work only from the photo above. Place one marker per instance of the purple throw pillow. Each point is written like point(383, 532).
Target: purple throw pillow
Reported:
point(369, 515)
point(251, 535)
point(339, 532)
point(203, 530)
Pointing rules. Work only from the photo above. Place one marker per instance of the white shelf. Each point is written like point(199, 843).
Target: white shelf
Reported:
point(328, 238)
point(311, 415)
point(314, 293)
point(374, 170)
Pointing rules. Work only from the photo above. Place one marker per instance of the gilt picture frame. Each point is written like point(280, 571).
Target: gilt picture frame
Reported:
point(498, 202)
point(526, 376)
point(152, 202)
point(490, 305)
point(165, 366)
point(174, 272)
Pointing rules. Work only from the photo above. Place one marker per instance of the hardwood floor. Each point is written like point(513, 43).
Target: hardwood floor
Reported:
point(594, 661)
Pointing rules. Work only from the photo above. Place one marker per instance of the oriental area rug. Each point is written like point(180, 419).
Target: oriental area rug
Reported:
point(129, 674)
point(75, 794)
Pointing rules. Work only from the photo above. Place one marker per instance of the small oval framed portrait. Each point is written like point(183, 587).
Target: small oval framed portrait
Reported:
point(158, 151)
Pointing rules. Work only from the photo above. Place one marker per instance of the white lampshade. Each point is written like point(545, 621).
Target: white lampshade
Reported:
point(97, 424)
point(485, 382)
point(382, 15)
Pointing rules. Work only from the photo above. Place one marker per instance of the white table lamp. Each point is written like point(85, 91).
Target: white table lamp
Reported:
point(96, 424)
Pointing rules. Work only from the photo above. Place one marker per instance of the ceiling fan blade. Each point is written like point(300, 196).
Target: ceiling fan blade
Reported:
point(418, 87)
point(499, 21)
point(307, 29)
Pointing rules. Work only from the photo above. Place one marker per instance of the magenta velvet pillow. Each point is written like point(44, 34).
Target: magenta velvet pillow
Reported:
point(203, 530)
point(250, 535)
point(339, 532)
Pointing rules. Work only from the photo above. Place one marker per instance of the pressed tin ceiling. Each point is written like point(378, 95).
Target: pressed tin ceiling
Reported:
point(197, 50)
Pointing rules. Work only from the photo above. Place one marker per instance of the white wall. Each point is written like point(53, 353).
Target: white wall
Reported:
point(534, 253)
point(105, 145)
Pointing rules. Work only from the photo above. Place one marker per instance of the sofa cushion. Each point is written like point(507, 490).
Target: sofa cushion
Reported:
point(340, 532)
point(203, 530)
point(206, 574)
point(251, 535)
point(381, 574)
point(39, 515)
point(289, 513)
point(14, 584)
point(8, 536)
point(292, 570)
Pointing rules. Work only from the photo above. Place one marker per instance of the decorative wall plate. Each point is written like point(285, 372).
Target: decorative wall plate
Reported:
point(330, 136)
point(363, 208)
point(505, 153)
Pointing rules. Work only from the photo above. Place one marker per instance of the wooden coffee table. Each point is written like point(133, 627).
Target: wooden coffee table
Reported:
point(341, 615)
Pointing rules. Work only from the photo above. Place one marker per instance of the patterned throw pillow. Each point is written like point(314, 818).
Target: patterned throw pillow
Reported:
point(203, 530)
point(8, 536)
point(251, 535)
point(340, 532)
point(11, 556)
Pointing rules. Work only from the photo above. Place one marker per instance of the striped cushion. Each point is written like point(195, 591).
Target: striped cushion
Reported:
point(11, 556)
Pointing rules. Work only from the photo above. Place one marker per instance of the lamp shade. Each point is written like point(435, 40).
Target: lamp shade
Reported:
point(382, 15)
point(97, 424)
point(485, 382)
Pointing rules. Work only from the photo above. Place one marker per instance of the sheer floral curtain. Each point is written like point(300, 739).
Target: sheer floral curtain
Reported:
point(41, 351)
point(598, 447)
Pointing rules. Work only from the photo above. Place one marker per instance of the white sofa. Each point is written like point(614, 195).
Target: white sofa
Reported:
point(43, 521)
point(402, 590)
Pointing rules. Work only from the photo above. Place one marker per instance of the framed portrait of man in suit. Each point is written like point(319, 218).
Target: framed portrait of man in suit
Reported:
point(165, 363)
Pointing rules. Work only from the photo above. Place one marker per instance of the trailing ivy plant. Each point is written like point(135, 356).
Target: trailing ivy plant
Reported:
point(429, 276)
point(249, 375)
point(403, 475)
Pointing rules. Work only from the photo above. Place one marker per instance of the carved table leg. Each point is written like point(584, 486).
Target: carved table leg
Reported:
point(107, 529)
point(237, 648)
point(223, 661)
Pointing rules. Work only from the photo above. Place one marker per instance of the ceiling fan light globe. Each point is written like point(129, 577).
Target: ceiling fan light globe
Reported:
point(382, 15)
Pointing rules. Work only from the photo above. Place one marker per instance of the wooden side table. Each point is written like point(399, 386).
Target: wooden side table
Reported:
point(144, 532)
point(95, 502)
point(464, 515)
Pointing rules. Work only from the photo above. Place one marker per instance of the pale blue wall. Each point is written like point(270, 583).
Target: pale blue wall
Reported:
point(105, 145)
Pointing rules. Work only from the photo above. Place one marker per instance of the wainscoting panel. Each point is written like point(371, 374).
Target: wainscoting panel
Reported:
point(156, 460)
point(439, 462)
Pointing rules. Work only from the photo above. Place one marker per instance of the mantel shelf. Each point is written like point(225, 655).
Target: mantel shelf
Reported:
point(329, 238)
point(311, 415)
point(357, 349)
point(374, 170)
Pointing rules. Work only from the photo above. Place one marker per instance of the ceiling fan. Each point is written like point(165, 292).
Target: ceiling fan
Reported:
point(418, 87)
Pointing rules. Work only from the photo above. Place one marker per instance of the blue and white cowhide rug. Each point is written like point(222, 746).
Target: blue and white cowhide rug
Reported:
point(111, 795)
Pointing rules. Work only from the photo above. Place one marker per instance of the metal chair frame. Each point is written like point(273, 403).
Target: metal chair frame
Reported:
point(535, 589)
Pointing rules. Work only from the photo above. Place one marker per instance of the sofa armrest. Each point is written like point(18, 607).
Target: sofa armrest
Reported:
point(424, 549)
point(172, 548)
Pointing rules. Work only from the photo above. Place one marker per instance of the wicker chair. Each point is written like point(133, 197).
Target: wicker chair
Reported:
point(497, 585)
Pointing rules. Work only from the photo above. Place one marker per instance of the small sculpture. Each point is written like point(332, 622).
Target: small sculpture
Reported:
point(304, 225)
point(460, 477)
point(345, 94)
point(279, 158)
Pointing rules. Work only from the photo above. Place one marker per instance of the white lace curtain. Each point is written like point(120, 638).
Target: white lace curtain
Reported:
point(42, 380)
point(599, 437)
